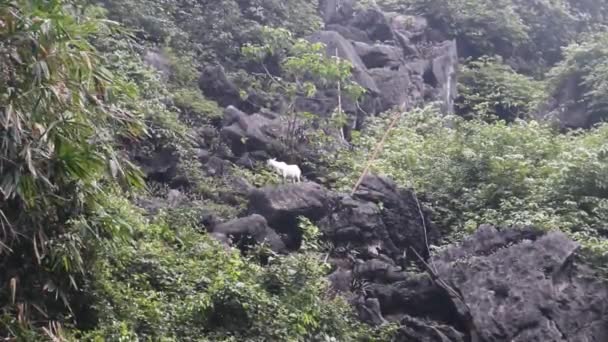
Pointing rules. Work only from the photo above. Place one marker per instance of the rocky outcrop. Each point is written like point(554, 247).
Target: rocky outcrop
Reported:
point(394, 57)
point(244, 132)
point(283, 205)
point(253, 227)
point(214, 83)
point(336, 45)
point(523, 286)
point(497, 285)
point(408, 224)
point(566, 107)
point(379, 221)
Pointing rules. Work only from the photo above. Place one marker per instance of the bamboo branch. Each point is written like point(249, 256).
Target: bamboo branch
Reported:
point(396, 116)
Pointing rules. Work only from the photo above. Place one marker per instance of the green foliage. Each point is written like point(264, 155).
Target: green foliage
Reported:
point(476, 172)
point(212, 29)
point(61, 112)
point(586, 63)
point(304, 69)
point(299, 17)
point(529, 33)
point(491, 90)
point(196, 109)
point(482, 25)
point(173, 284)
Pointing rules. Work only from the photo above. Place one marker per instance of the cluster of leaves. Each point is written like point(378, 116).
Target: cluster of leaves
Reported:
point(212, 29)
point(172, 283)
point(491, 90)
point(476, 172)
point(529, 33)
point(61, 113)
point(587, 64)
point(304, 69)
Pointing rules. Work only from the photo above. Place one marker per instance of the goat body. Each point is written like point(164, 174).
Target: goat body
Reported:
point(286, 170)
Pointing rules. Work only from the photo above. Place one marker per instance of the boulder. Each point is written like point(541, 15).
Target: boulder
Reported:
point(334, 42)
point(395, 87)
point(159, 165)
point(358, 224)
point(407, 222)
point(415, 295)
point(369, 311)
point(566, 107)
point(243, 132)
point(420, 330)
point(444, 63)
point(349, 32)
point(374, 23)
point(379, 55)
point(341, 280)
point(521, 285)
point(254, 227)
point(214, 83)
point(379, 271)
point(282, 205)
point(336, 11)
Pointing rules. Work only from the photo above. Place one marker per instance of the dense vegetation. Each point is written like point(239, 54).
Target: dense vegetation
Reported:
point(474, 172)
point(79, 108)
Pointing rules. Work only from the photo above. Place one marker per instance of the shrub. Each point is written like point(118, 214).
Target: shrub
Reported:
point(476, 172)
point(587, 63)
point(173, 283)
point(61, 112)
point(491, 90)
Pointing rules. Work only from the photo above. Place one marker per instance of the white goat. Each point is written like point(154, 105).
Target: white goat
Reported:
point(286, 170)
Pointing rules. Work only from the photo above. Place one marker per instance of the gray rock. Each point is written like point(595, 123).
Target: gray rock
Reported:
point(395, 87)
point(349, 32)
point(214, 83)
point(254, 226)
point(255, 132)
point(341, 280)
point(374, 22)
point(525, 287)
point(282, 205)
point(401, 215)
point(369, 311)
point(379, 55)
point(419, 330)
point(334, 42)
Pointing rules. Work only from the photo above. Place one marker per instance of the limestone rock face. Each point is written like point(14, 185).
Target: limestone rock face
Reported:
point(254, 226)
point(521, 286)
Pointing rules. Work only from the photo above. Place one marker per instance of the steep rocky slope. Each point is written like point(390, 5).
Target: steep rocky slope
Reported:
point(216, 248)
point(498, 285)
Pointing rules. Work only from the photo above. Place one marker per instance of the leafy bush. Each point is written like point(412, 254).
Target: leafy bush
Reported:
point(476, 172)
point(172, 283)
point(491, 90)
point(586, 63)
point(213, 30)
point(529, 33)
point(483, 26)
point(61, 112)
point(304, 68)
